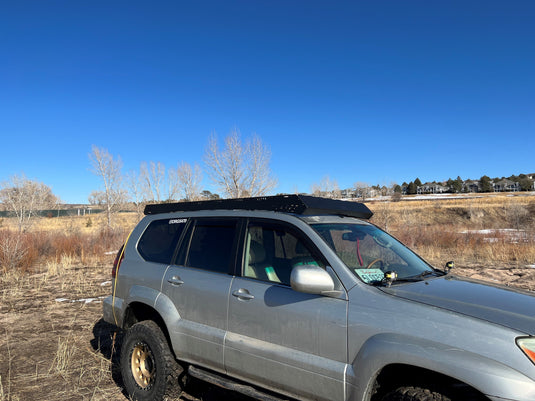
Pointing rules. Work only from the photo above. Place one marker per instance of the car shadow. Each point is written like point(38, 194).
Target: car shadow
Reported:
point(107, 339)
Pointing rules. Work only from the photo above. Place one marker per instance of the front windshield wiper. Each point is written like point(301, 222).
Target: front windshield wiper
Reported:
point(409, 279)
point(417, 277)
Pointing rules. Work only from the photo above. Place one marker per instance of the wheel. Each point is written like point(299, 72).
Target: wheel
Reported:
point(415, 394)
point(148, 368)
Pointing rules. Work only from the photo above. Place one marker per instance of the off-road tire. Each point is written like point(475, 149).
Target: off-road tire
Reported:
point(415, 394)
point(148, 367)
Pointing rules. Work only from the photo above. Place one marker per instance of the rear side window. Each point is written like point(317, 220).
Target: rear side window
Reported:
point(158, 242)
point(212, 246)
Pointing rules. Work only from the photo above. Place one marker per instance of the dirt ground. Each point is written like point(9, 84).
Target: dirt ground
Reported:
point(54, 345)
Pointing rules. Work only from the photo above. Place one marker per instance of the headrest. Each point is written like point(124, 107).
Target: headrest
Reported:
point(257, 253)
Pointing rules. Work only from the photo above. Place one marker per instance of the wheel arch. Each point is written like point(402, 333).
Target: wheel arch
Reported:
point(147, 304)
point(396, 375)
point(390, 357)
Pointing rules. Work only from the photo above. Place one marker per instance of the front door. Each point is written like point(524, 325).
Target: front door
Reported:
point(278, 337)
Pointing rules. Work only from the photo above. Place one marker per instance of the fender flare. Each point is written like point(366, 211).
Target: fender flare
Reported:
point(492, 378)
point(160, 302)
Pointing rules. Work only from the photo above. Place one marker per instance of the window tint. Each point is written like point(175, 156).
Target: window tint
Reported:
point(211, 246)
point(158, 242)
point(272, 251)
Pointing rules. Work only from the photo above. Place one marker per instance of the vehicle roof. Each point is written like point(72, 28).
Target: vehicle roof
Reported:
point(292, 204)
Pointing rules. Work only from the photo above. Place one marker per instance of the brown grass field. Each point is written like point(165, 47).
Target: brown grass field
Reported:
point(54, 345)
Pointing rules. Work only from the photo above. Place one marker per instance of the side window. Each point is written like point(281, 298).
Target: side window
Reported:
point(273, 250)
point(212, 245)
point(158, 242)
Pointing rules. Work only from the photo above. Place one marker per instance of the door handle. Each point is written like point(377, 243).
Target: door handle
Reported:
point(243, 294)
point(175, 280)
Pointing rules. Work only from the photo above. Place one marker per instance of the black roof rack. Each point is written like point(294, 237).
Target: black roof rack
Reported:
point(296, 204)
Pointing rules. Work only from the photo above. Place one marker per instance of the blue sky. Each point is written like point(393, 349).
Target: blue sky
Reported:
point(374, 91)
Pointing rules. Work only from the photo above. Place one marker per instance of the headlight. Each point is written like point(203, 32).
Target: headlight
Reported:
point(527, 345)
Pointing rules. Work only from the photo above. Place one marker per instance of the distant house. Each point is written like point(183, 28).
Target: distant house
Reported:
point(471, 186)
point(432, 188)
point(348, 193)
point(506, 185)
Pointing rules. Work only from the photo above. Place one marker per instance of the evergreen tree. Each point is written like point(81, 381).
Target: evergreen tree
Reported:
point(525, 184)
point(411, 189)
point(485, 184)
point(458, 184)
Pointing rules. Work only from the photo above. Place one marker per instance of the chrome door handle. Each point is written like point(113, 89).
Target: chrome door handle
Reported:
point(175, 280)
point(243, 294)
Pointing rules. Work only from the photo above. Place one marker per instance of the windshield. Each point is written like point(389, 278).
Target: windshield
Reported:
point(370, 252)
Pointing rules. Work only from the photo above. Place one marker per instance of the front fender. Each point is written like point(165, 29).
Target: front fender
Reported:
point(486, 375)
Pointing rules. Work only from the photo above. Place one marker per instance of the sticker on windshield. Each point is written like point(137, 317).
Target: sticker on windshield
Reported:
point(370, 275)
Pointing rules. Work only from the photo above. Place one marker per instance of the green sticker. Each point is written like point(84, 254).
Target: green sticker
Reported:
point(370, 275)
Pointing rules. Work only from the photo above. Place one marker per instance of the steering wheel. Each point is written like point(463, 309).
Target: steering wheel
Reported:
point(378, 260)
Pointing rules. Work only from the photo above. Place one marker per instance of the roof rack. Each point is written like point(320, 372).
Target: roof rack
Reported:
point(296, 204)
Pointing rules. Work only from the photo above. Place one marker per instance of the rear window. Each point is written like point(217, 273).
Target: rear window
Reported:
point(158, 242)
point(211, 246)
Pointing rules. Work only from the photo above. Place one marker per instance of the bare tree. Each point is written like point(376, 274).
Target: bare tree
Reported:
point(362, 190)
point(25, 198)
point(189, 181)
point(327, 188)
point(240, 169)
point(152, 177)
point(109, 170)
point(134, 186)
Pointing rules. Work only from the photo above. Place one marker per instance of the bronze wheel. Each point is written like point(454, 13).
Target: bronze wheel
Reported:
point(142, 365)
point(149, 370)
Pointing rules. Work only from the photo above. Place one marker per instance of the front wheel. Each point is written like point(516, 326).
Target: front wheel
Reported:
point(415, 394)
point(148, 368)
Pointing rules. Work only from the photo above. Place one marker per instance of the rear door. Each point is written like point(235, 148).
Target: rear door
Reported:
point(291, 342)
point(198, 284)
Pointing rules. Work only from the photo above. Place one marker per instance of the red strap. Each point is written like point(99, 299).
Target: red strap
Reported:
point(358, 252)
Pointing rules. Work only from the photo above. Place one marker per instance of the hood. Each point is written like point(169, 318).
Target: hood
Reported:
point(497, 304)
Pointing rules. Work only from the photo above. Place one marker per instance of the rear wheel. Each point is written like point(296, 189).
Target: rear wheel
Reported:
point(148, 367)
point(415, 394)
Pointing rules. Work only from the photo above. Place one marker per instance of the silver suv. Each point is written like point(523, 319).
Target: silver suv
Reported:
point(300, 297)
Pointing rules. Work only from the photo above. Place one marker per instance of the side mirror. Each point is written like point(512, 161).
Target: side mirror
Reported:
point(311, 279)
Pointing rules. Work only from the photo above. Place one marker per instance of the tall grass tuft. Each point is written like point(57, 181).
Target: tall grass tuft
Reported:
point(22, 252)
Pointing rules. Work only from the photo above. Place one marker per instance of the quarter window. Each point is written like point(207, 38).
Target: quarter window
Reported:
point(158, 242)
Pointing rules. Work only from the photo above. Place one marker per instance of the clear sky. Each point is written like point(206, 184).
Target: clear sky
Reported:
point(370, 91)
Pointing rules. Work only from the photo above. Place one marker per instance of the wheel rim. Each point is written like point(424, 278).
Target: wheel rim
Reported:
point(143, 366)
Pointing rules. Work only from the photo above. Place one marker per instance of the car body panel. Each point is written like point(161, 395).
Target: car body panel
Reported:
point(502, 305)
point(202, 302)
point(320, 347)
point(283, 338)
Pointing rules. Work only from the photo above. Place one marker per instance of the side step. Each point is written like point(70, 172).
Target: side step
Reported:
point(230, 384)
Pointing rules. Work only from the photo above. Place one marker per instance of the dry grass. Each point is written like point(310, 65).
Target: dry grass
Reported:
point(490, 229)
point(54, 345)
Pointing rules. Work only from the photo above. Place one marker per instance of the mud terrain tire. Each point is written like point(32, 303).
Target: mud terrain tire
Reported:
point(414, 394)
point(148, 368)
